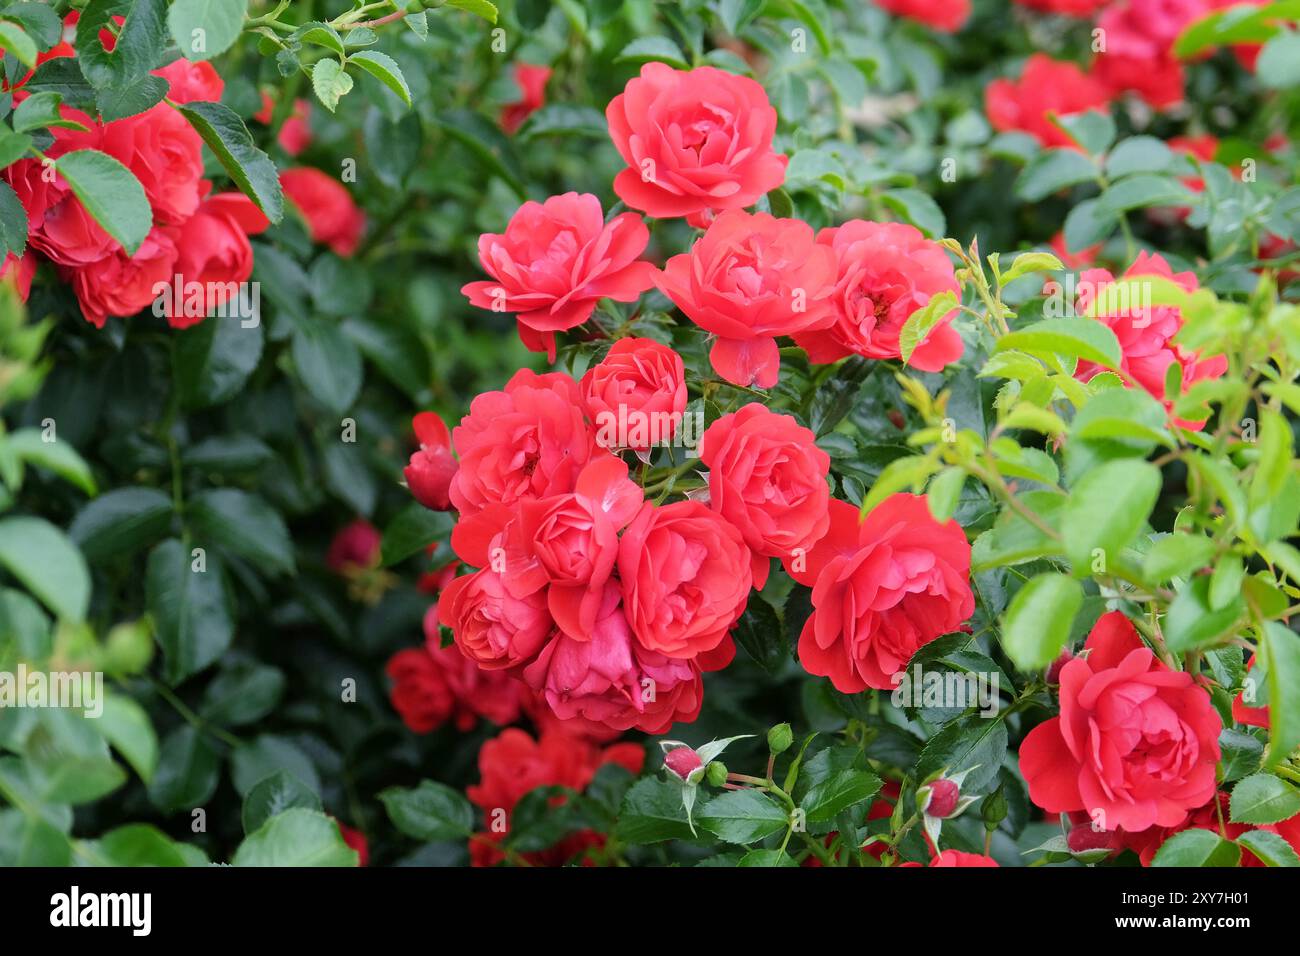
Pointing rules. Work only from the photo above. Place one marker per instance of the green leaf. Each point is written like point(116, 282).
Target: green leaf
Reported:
point(127, 727)
point(413, 530)
point(296, 837)
point(40, 110)
point(327, 363)
point(241, 694)
point(918, 208)
point(1074, 338)
point(1106, 509)
point(13, 220)
point(1053, 170)
point(1039, 619)
point(139, 844)
point(652, 812)
point(191, 612)
point(1142, 190)
point(944, 492)
point(115, 103)
point(110, 193)
point(974, 743)
point(1177, 556)
point(565, 119)
point(480, 8)
point(1088, 224)
point(1191, 624)
point(1138, 154)
point(243, 524)
point(140, 42)
point(330, 82)
point(1269, 848)
point(14, 39)
point(47, 563)
point(1093, 130)
point(56, 456)
point(250, 168)
point(922, 322)
point(1281, 648)
point(251, 763)
point(1197, 847)
point(828, 798)
point(742, 816)
point(431, 811)
point(1263, 798)
point(1028, 262)
point(39, 20)
point(274, 795)
point(214, 359)
point(385, 69)
point(187, 773)
point(1278, 65)
point(322, 35)
point(651, 48)
point(121, 521)
point(204, 28)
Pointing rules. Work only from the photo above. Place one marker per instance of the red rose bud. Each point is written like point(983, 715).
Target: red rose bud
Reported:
point(683, 761)
point(944, 795)
point(1084, 838)
point(432, 468)
point(1054, 669)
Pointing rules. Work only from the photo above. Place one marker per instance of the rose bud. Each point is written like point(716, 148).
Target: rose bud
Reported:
point(1054, 668)
point(779, 738)
point(716, 772)
point(1083, 838)
point(684, 762)
point(943, 798)
point(432, 468)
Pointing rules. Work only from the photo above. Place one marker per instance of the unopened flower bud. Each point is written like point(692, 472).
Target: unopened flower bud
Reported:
point(716, 773)
point(683, 762)
point(1084, 838)
point(779, 738)
point(994, 809)
point(944, 795)
point(1054, 669)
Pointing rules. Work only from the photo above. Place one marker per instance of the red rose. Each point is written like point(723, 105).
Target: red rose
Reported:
point(532, 84)
point(944, 15)
point(356, 840)
point(748, 280)
point(695, 141)
point(1215, 816)
point(165, 153)
point(887, 270)
point(492, 627)
point(1158, 81)
point(325, 203)
point(18, 272)
point(882, 588)
point(640, 383)
point(951, 858)
point(1244, 713)
point(528, 441)
point(295, 131)
point(606, 677)
point(768, 478)
point(1136, 743)
point(1146, 334)
point(213, 250)
point(188, 82)
point(355, 548)
point(686, 578)
point(1045, 86)
point(1065, 8)
point(431, 469)
point(555, 261)
point(122, 285)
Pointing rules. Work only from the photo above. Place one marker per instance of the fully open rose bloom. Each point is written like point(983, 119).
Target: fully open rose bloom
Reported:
point(1146, 334)
point(640, 383)
point(686, 578)
point(555, 261)
point(493, 627)
point(527, 441)
point(1139, 55)
point(944, 15)
point(121, 284)
point(695, 141)
point(1045, 86)
point(1136, 743)
point(887, 270)
point(748, 280)
point(768, 478)
point(882, 588)
point(333, 218)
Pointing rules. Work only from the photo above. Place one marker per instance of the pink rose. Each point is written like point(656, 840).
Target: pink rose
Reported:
point(1045, 86)
point(640, 383)
point(122, 285)
point(432, 467)
point(531, 81)
point(555, 261)
point(493, 628)
point(188, 82)
point(165, 153)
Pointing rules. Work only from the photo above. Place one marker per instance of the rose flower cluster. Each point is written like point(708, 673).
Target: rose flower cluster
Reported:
point(198, 248)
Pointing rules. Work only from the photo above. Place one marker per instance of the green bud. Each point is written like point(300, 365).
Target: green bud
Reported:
point(779, 738)
point(993, 809)
point(129, 647)
point(716, 773)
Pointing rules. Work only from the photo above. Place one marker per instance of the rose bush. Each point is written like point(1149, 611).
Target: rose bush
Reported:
point(516, 434)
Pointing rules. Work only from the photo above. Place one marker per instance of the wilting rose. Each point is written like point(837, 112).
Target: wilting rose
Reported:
point(1045, 86)
point(686, 577)
point(432, 467)
point(1136, 743)
point(493, 628)
point(882, 588)
point(695, 141)
point(943, 15)
point(639, 382)
point(122, 285)
point(555, 261)
point(1146, 333)
point(606, 677)
point(748, 280)
point(528, 441)
point(531, 81)
point(768, 478)
point(887, 270)
point(332, 216)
